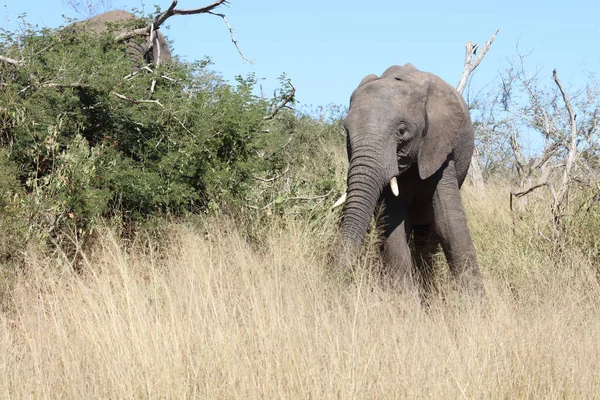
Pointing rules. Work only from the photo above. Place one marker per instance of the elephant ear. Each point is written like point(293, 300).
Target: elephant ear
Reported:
point(447, 118)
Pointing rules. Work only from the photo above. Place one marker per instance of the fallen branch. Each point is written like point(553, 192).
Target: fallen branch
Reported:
point(287, 99)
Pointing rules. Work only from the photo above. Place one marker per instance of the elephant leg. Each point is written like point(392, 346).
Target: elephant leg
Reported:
point(453, 231)
point(396, 232)
point(426, 244)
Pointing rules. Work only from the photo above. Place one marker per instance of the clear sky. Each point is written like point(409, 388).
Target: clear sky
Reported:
point(326, 47)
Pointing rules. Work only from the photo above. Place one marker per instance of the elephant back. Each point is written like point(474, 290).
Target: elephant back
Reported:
point(138, 48)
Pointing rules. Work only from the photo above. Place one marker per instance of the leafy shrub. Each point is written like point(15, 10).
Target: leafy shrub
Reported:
point(87, 136)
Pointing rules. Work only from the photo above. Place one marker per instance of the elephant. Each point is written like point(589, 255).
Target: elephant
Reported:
point(409, 144)
point(151, 51)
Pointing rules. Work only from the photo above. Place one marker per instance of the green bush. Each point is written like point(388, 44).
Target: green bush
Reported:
point(87, 138)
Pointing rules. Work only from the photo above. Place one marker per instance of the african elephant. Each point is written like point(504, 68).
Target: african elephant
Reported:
point(137, 48)
point(409, 143)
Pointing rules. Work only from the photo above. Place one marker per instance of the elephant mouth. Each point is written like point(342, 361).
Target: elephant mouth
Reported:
point(403, 164)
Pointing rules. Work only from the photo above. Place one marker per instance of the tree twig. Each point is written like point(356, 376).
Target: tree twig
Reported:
point(287, 99)
point(235, 42)
point(136, 101)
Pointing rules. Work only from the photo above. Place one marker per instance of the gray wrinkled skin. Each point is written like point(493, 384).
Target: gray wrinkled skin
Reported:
point(414, 126)
point(137, 48)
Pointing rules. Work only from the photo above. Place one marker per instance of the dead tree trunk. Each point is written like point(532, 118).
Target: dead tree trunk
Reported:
point(475, 175)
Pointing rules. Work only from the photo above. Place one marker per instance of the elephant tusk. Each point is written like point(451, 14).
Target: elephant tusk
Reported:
point(340, 201)
point(394, 186)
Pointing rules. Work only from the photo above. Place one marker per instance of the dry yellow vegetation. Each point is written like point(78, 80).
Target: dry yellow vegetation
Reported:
point(210, 314)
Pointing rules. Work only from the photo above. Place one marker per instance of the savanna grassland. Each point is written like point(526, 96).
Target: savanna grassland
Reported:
point(161, 238)
point(206, 313)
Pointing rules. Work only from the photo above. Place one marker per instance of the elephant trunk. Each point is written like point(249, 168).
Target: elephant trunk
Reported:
point(366, 180)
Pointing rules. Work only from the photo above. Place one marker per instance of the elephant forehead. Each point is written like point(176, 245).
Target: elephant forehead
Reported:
point(383, 91)
point(383, 100)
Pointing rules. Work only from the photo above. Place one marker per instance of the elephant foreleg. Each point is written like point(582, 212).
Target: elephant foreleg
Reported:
point(426, 243)
point(396, 252)
point(451, 226)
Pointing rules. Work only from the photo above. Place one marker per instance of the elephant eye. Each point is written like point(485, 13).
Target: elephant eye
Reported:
point(403, 132)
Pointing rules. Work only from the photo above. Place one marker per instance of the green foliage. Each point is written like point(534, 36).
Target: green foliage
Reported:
point(85, 135)
point(12, 226)
point(582, 223)
point(307, 159)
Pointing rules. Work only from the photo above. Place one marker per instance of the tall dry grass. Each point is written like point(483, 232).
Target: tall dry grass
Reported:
point(211, 314)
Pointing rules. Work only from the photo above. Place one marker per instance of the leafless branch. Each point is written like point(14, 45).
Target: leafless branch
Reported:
point(65, 85)
point(133, 33)
point(287, 99)
point(162, 17)
point(235, 42)
point(258, 178)
point(520, 160)
point(549, 151)
point(300, 198)
point(158, 21)
point(573, 145)
point(136, 101)
point(522, 193)
point(158, 103)
point(310, 197)
point(171, 11)
point(469, 67)
point(12, 61)
point(527, 191)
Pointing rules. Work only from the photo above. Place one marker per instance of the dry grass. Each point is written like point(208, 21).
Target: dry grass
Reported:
point(213, 316)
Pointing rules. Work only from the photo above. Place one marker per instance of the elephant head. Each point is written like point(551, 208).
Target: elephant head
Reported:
point(405, 120)
point(151, 50)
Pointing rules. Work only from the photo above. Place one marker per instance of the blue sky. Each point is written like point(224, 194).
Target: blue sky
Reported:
point(326, 47)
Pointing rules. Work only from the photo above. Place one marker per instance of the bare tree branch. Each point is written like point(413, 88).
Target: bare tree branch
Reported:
point(287, 99)
point(171, 11)
point(65, 85)
point(471, 49)
point(12, 61)
point(573, 145)
point(161, 18)
point(158, 103)
point(527, 191)
point(136, 101)
point(235, 42)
